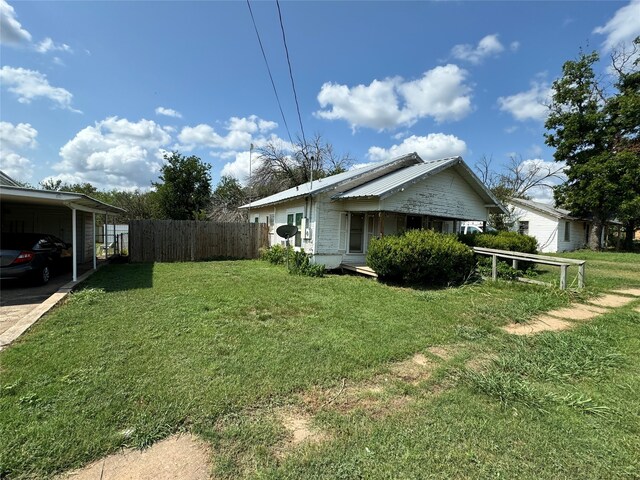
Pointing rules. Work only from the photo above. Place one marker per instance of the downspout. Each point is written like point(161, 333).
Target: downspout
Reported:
point(93, 218)
point(75, 244)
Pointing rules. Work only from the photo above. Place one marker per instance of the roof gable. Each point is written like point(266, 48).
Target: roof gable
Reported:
point(339, 182)
point(544, 208)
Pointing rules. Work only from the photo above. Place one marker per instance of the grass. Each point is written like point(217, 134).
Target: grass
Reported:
point(147, 350)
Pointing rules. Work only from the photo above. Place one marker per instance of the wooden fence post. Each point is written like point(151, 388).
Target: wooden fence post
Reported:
point(563, 276)
point(581, 276)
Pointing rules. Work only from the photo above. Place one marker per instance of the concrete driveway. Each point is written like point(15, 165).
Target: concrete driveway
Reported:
point(21, 303)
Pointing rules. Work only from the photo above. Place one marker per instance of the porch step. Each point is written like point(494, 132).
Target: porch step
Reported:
point(361, 269)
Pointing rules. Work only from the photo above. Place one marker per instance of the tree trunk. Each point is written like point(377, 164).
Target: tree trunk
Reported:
point(630, 230)
point(595, 238)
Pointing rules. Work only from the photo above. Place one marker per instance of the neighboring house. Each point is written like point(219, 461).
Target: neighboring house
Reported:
point(67, 215)
point(6, 180)
point(337, 216)
point(554, 228)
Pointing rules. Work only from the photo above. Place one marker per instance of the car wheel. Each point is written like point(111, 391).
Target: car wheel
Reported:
point(44, 275)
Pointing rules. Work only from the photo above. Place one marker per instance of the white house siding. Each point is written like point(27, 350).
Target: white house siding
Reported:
point(279, 213)
point(543, 227)
point(88, 237)
point(577, 235)
point(445, 194)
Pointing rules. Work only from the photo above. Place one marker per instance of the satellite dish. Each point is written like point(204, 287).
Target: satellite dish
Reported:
point(286, 231)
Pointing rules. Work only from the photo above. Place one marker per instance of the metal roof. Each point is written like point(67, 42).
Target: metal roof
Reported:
point(543, 207)
point(349, 179)
point(392, 182)
point(78, 201)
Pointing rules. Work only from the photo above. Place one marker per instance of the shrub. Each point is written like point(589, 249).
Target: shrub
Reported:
point(299, 264)
point(512, 241)
point(276, 254)
point(422, 257)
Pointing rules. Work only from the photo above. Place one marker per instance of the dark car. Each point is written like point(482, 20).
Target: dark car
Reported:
point(32, 256)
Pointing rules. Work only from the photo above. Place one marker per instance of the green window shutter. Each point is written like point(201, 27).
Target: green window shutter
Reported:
point(290, 219)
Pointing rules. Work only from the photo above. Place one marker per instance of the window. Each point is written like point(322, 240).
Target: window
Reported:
point(523, 228)
point(296, 219)
point(256, 220)
point(414, 222)
point(342, 240)
point(567, 231)
point(356, 232)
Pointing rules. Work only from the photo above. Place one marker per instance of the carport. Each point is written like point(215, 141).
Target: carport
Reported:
point(67, 215)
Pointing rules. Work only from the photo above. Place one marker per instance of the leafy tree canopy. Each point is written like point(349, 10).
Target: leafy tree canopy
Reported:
point(184, 189)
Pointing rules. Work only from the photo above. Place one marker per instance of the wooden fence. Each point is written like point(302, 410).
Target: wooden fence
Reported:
point(188, 240)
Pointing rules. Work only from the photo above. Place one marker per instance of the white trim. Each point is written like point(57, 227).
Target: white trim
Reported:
point(93, 244)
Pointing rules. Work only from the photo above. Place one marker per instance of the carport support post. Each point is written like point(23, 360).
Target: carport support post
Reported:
point(93, 217)
point(106, 222)
point(494, 267)
point(74, 232)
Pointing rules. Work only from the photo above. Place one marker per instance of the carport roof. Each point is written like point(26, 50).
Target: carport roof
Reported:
point(78, 201)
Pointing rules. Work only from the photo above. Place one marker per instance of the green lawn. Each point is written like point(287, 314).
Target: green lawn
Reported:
point(216, 347)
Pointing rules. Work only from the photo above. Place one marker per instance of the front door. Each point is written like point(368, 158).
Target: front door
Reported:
point(356, 233)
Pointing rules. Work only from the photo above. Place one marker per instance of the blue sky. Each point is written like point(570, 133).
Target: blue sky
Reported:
point(97, 91)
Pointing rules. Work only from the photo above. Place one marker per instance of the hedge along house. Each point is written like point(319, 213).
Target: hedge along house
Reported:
point(337, 216)
point(69, 216)
point(554, 228)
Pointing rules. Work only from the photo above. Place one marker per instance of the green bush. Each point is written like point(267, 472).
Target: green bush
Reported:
point(276, 254)
point(512, 241)
point(421, 257)
point(299, 263)
point(504, 270)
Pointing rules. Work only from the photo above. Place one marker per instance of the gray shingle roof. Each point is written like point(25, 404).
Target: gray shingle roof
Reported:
point(543, 207)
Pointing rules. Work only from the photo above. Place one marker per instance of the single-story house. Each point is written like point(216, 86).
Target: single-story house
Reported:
point(555, 229)
point(69, 216)
point(338, 215)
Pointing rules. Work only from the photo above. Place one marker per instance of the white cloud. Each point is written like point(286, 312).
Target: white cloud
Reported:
point(622, 28)
point(537, 168)
point(11, 31)
point(168, 112)
point(241, 132)
point(239, 168)
point(529, 105)
point(386, 104)
point(14, 138)
point(48, 45)
point(28, 85)
point(114, 153)
point(430, 147)
point(488, 46)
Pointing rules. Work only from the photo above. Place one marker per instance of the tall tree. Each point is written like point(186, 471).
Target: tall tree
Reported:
point(227, 197)
point(185, 188)
point(601, 162)
point(281, 168)
point(518, 178)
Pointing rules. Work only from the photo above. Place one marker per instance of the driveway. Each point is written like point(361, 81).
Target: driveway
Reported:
point(18, 299)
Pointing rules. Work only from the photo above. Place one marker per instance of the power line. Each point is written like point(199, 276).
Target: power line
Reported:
point(293, 85)
point(275, 91)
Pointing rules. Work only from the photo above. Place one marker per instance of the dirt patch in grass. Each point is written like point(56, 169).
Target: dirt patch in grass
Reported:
point(540, 324)
point(578, 312)
point(611, 301)
point(635, 292)
point(300, 431)
point(480, 363)
point(415, 370)
point(184, 456)
point(445, 352)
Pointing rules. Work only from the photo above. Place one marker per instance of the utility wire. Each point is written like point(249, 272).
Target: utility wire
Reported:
point(275, 91)
point(293, 85)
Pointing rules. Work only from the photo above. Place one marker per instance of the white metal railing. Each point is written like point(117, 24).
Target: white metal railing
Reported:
point(563, 263)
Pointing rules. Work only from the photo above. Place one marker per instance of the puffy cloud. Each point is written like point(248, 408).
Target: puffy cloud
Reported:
point(529, 105)
point(241, 132)
point(430, 147)
point(14, 138)
point(114, 153)
point(386, 104)
point(622, 28)
point(48, 45)
point(11, 31)
point(537, 168)
point(488, 46)
point(239, 168)
point(30, 84)
point(168, 112)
